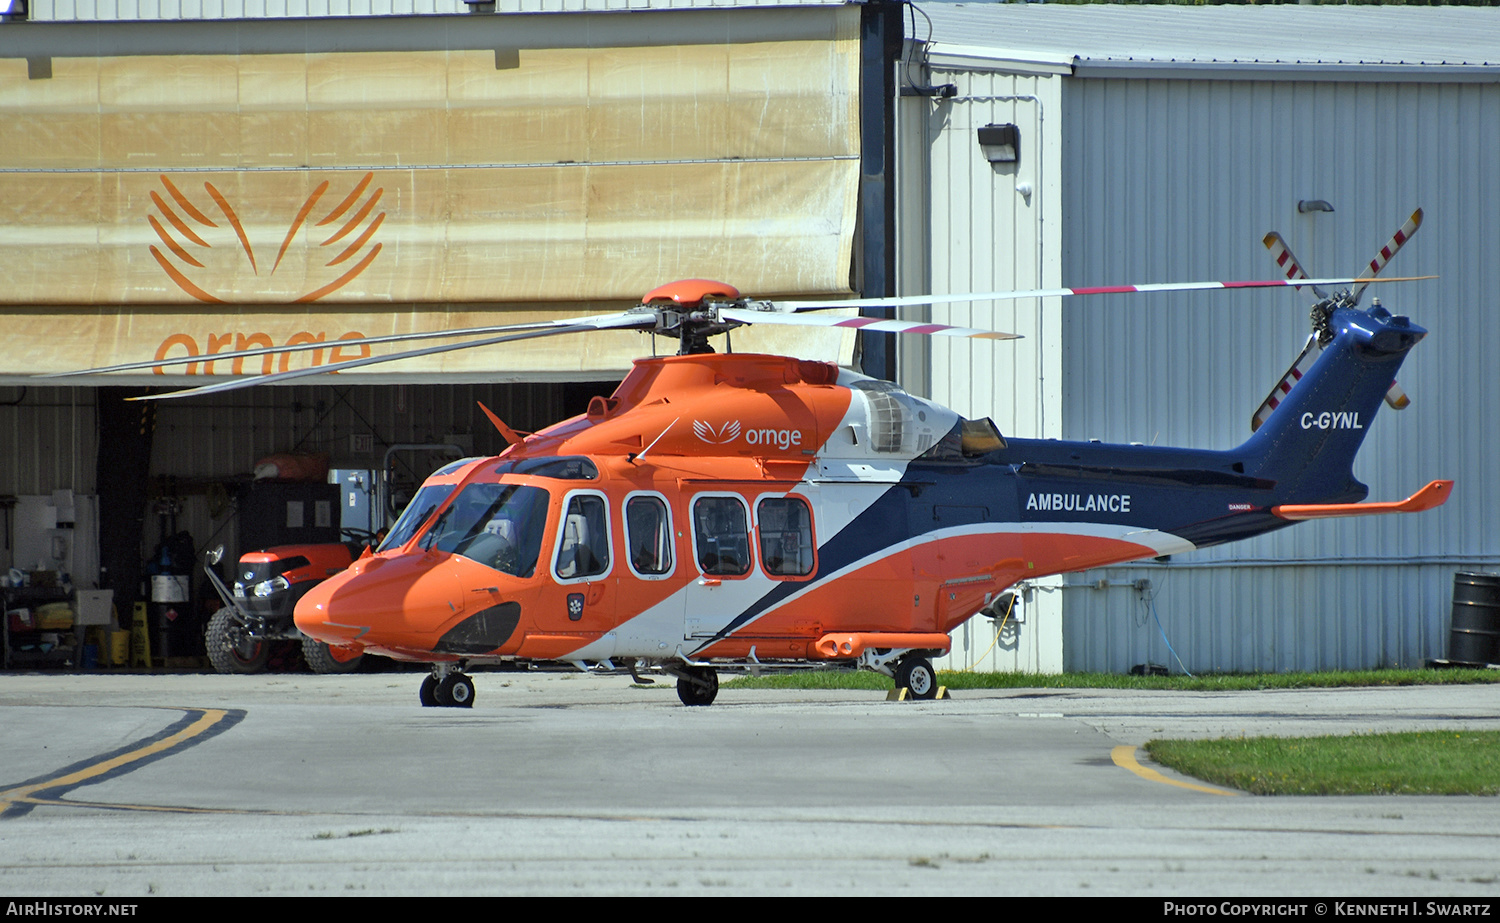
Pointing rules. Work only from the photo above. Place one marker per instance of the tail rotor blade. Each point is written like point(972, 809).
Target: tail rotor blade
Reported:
point(1391, 248)
point(1395, 398)
point(1289, 264)
point(1304, 361)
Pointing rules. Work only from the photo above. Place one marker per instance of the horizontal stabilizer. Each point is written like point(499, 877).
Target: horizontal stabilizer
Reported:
point(1430, 497)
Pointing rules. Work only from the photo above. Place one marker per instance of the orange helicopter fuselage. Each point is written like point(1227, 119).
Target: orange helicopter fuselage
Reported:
point(684, 515)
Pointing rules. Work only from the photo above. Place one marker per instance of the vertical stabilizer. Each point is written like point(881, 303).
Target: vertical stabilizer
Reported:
point(1308, 445)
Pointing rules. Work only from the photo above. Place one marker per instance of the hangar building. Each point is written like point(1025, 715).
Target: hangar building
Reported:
point(1162, 143)
point(537, 159)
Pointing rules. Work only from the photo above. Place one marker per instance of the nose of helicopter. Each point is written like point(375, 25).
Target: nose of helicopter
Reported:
point(360, 606)
point(315, 616)
point(411, 606)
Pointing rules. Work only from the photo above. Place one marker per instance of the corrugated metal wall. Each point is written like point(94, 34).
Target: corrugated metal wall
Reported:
point(966, 226)
point(1179, 180)
point(1277, 618)
point(49, 440)
point(204, 444)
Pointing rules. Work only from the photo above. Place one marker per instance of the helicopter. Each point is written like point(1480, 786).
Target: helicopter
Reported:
point(742, 512)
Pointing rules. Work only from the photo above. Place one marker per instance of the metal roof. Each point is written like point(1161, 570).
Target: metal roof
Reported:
point(1108, 40)
point(163, 10)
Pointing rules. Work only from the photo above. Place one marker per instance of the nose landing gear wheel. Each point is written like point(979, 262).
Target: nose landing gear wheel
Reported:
point(428, 693)
point(698, 685)
point(916, 675)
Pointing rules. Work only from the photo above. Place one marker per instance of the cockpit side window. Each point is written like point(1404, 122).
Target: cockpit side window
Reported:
point(721, 535)
point(429, 498)
point(498, 525)
point(583, 548)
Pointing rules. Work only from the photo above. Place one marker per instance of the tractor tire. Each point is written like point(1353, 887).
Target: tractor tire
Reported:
point(230, 649)
point(320, 659)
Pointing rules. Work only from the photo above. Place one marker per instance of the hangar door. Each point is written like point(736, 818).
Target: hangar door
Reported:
point(203, 187)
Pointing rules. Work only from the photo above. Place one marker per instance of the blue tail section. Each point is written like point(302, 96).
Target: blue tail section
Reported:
point(1307, 446)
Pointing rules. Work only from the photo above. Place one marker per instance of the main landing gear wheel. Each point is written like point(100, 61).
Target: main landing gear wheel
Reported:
point(697, 685)
point(456, 690)
point(915, 674)
point(230, 647)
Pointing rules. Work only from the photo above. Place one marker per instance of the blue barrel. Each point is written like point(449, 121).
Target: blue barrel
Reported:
point(1475, 635)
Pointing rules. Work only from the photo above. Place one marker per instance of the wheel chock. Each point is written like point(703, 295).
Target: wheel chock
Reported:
point(903, 694)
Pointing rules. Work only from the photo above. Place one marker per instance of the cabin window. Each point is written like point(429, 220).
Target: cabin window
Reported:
point(648, 535)
point(583, 542)
point(721, 536)
point(786, 536)
point(498, 525)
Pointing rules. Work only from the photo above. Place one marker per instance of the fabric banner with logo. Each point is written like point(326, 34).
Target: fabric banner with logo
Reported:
point(157, 203)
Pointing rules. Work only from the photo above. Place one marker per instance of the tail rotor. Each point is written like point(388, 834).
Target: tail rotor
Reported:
point(1323, 310)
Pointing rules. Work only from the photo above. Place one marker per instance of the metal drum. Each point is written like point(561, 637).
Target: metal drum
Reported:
point(1475, 635)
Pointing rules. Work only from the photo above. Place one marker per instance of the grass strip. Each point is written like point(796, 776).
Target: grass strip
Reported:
point(1412, 763)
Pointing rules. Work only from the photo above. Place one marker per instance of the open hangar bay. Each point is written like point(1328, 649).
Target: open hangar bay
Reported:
point(568, 784)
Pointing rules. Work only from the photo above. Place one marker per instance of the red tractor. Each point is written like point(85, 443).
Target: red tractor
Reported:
point(258, 608)
point(300, 547)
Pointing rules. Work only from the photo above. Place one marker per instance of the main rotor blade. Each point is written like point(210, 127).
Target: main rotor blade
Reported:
point(1391, 248)
point(337, 344)
point(603, 322)
point(914, 300)
point(742, 316)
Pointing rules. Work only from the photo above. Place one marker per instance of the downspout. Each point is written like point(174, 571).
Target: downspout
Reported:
point(881, 35)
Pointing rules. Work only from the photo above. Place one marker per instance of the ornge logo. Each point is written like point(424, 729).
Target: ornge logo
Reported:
point(780, 438)
point(205, 256)
point(727, 433)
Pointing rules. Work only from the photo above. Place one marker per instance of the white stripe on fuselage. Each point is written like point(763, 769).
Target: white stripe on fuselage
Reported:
point(658, 631)
point(845, 480)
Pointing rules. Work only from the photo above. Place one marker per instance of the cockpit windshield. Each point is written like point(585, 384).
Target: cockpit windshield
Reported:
point(498, 525)
point(429, 498)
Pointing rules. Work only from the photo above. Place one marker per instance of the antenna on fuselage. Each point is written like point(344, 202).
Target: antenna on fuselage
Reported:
point(642, 454)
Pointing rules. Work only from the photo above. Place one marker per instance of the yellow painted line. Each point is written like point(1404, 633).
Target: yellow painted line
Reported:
point(1124, 757)
point(24, 794)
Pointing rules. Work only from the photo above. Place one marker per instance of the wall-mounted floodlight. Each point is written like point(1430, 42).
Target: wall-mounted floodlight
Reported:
point(1000, 143)
point(1313, 205)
